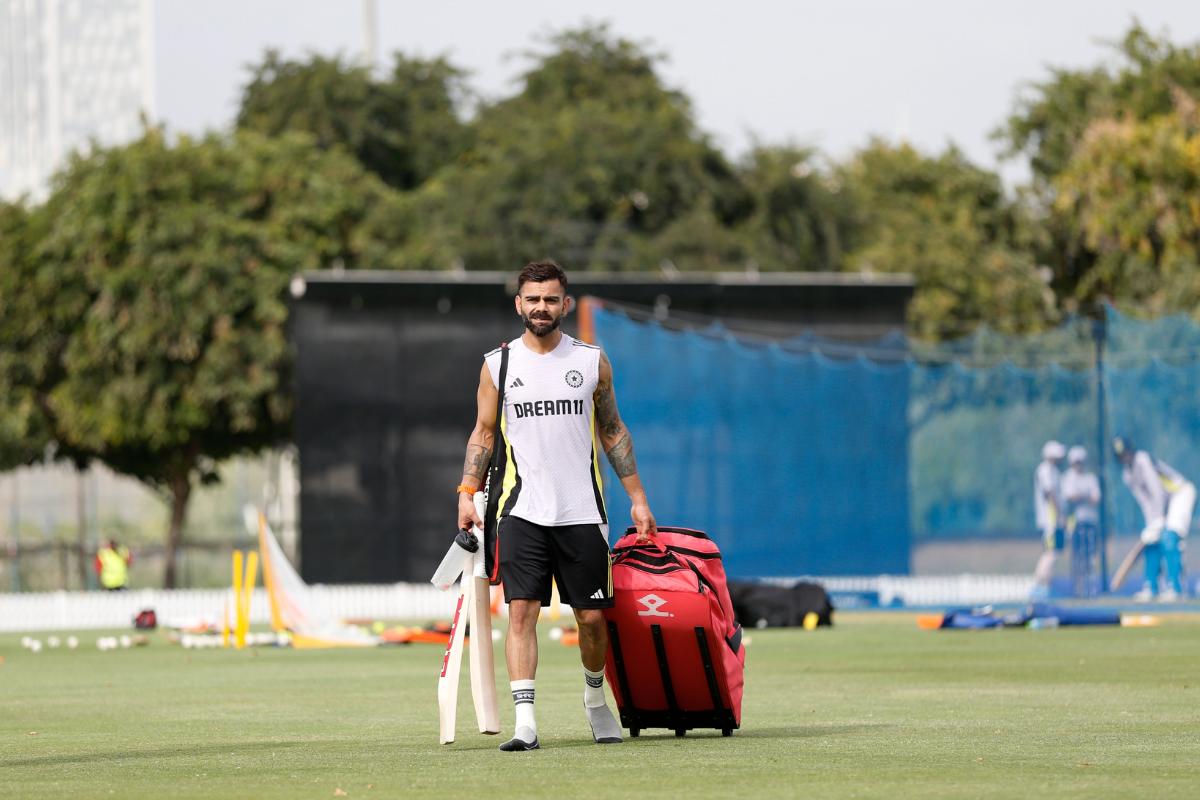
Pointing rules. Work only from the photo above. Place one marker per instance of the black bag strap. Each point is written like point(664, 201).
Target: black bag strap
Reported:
point(494, 478)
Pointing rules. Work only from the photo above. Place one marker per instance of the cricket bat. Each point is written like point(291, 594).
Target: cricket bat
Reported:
point(1123, 569)
point(452, 659)
point(483, 667)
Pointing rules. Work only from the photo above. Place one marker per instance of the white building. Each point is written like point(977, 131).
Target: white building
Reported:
point(71, 71)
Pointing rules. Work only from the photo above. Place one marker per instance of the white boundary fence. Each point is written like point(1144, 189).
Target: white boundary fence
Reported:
point(83, 610)
point(422, 602)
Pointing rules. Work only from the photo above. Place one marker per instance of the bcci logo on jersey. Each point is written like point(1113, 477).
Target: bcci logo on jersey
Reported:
point(574, 379)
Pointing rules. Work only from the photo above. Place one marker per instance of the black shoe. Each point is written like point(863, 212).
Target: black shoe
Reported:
point(517, 744)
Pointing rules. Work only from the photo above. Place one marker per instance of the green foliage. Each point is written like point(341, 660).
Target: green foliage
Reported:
point(1133, 191)
point(402, 129)
point(590, 161)
point(801, 219)
point(1067, 126)
point(157, 321)
point(185, 251)
point(948, 223)
point(1051, 119)
point(28, 349)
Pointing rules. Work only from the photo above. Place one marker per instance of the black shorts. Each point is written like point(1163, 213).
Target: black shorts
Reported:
point(575, 555)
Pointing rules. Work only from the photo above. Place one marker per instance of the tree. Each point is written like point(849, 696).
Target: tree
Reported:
point(1051, 122)
point(28, 350)
point(1132, 188)
point(801, 218)
point(403, 128)
point(179, 255)
point(591, 160)
point(947, 223)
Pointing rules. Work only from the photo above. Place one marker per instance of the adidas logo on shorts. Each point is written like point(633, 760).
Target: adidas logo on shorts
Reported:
point(598, 595)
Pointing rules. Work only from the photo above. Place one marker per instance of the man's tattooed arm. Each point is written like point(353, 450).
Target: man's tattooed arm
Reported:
point(482, 439)
point(477, 460)
point(614, 436)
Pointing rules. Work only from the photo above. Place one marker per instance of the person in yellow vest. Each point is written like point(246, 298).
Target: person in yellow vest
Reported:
point(112, 565)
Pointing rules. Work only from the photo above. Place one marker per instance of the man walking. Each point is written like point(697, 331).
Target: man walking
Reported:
point(1167, 500)
point(552, 522)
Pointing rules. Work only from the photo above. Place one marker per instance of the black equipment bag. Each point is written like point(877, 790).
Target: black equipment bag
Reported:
point(764, 605)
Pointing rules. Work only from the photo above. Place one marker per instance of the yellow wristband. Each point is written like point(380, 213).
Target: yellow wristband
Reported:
point(468, 490)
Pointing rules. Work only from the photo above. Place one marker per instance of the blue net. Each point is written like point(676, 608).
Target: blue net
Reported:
point(768, 449)
point(807, 456)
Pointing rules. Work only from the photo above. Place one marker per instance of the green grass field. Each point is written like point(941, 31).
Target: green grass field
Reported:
point(871, 708)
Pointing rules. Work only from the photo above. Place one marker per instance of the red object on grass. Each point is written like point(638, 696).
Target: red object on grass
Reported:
point(675, 658)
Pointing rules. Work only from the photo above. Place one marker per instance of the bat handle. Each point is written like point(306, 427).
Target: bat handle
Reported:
point(480, 503)
point(480, 569)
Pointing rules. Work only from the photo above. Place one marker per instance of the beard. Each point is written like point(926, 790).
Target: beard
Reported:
point(541, 327)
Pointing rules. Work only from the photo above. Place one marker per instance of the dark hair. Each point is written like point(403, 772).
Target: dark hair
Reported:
point(541, 271)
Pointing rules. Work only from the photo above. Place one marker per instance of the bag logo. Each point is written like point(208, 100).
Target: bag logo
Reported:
point(653, 603)
point(574, 379)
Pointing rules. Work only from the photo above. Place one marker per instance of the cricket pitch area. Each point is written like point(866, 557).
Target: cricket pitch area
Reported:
point(871, 708)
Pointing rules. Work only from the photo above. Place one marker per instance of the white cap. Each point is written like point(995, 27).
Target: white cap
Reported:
point(1053, 449)
point(1076, 455)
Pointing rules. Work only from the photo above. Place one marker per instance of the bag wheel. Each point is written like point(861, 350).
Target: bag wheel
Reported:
point(680, 732)
point(635, 732)
point(727, 731)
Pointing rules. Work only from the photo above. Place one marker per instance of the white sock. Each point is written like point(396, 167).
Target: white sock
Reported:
point(522, 694)
point(593, 688)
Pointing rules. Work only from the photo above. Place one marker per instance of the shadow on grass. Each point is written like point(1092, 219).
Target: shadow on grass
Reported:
point(809, 731)
point(658, 736)
point(176, 751)
point(663, 735)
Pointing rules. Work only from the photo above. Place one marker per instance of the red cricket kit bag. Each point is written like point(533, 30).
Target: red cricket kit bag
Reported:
point(675, 655)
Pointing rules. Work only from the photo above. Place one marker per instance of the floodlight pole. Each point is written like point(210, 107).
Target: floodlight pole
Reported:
point(1099, 333)
point(370, 55)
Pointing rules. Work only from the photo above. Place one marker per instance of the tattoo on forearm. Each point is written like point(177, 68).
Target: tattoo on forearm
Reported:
point(606, 411)
point(477, 460)
point(620, 455)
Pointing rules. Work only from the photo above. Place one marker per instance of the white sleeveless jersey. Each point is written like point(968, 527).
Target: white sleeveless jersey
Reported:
point(551, 473)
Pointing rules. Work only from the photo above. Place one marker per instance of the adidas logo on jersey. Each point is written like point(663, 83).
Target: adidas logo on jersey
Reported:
point(516, 383)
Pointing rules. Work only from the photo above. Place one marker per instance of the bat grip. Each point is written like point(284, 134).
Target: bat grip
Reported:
point(479, 568)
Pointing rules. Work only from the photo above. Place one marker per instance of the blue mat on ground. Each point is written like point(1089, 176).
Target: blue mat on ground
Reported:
point(980, 618)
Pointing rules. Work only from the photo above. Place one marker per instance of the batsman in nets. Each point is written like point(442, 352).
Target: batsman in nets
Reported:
point(558, 400)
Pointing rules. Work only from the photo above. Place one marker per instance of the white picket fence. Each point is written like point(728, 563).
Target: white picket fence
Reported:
point(936, 590)
point(37, 611)
point(421, 602)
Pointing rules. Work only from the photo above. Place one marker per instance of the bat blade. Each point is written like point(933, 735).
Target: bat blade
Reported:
point(483, 667)
point(1126, 565)
point(452, 659)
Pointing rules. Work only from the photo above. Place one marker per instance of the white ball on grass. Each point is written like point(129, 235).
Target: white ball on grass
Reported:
point(555, 634)
point(72, 643)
